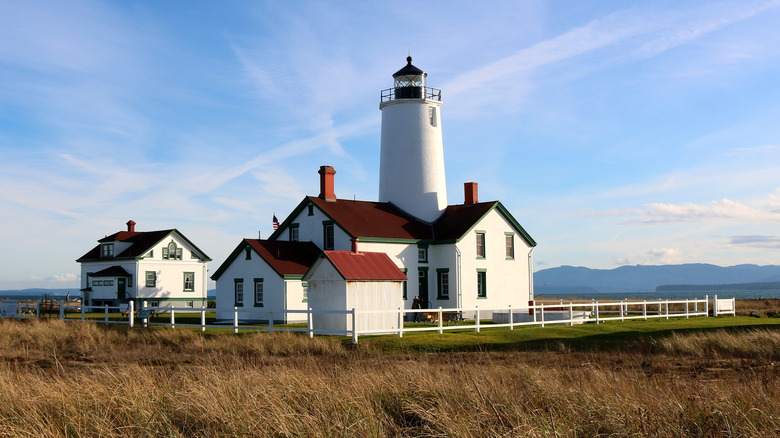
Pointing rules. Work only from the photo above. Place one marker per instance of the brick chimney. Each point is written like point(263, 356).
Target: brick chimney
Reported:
point(326, 183)
point(131, 226)
point(470, 191)
point(354, 241)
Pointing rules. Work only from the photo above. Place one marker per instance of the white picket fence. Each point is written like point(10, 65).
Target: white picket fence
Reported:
point(542, 314)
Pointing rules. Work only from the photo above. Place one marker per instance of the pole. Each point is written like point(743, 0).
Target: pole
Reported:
point(130, 314)
point(354, 327)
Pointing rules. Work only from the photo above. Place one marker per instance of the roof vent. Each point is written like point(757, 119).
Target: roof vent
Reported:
point(131, 226)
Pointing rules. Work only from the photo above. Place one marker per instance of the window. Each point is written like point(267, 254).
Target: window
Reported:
point(189, 281)
point(248, 252)
point(510, 245)
point(422, 254)
point(405, 281)
point(188, 304)
point(151, 279)
point(443, 281)
point(305, 286)
point(311, 209)
point(108, 282)
point(107, 250)
point(482, 283)
point(432, 115)
point(259, 292)
point(154, 304)
point(130, 281)
point(327, 235)
point(239, 291)
point(480, 244)
point(171, 252)
point(97, 283)
point(293, 231)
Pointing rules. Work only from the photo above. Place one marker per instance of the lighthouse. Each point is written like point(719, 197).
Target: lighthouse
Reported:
point(411, 169)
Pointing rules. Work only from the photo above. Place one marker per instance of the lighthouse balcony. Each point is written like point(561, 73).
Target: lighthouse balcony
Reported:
point(399, 93)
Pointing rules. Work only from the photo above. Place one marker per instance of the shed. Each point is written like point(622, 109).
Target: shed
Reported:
point(368, 282)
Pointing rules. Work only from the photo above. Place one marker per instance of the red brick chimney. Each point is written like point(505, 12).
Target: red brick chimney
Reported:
point(354, 241)
point(131, 226)
point(326, 183)
point(470, 191)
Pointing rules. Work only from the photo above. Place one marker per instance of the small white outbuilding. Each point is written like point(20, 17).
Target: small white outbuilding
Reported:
point(368, 282)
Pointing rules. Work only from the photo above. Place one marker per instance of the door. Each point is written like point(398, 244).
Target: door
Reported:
point(422, 288)
point(121, 289)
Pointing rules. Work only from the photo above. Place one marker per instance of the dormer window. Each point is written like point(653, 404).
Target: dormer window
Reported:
point(171, 252)
point(107, 250)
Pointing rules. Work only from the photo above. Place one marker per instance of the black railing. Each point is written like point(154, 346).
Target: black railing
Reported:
point(411, 93)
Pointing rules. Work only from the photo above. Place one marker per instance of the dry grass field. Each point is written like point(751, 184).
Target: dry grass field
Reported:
point(83, 380)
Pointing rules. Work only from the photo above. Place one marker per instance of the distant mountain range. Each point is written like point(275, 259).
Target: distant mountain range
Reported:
point(579, 280)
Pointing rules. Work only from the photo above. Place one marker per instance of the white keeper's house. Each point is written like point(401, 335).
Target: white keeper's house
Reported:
point(466, 255)
point(162, 267)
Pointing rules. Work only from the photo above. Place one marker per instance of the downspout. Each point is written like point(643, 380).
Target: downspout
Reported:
point(531, 274)
point(284, 303)
point(458, 302)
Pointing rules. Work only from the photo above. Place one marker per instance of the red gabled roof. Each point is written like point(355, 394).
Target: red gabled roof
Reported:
point(374, 219)
point(286, 258)
point(364, 265)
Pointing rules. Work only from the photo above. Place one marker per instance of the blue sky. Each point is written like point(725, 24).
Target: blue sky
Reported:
point(616, 133)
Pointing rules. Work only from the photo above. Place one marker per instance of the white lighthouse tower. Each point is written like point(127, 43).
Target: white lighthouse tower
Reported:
point(411, 169)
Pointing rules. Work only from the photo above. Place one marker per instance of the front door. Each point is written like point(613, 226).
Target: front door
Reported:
point(422, 288)
point(121, 289)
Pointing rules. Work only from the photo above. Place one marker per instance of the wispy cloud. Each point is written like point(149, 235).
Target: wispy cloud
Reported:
point(756, 241)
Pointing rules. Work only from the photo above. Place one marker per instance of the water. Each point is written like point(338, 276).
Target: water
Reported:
point(671, 295)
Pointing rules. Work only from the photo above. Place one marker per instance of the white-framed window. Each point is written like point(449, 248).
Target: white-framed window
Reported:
point(422, 254)
point(151, 279)
point(258, 291)
point(510, 245)
point(107, 250)
point(482, 283)
point(293, 233)
point(305, 286)
point(239, 291)
point(432, 115)
point(443, 283)
point(327, 235)
point(154, 304)
point(480, 244)
point(97, 283)
point(108, 282)
point(189, 281)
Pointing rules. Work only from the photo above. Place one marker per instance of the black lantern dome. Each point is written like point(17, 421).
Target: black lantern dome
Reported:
point(409, 81)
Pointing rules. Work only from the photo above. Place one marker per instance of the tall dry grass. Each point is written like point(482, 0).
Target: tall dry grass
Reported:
point(72, 379)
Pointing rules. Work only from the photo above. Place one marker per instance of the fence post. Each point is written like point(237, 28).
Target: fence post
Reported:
point(715, 305)
point(541, 314)
point(571, 314)
point(707, 305)
point(83, 317)
point(686, 308)
point(354, 327)
point(477, 319)
point(666, 306)
point(235, 319)
point(130, 314)
point(534, 313)
point(441, 330)
point(173, 318)
point(62, 309)
point(310, 323)
point(660, 312)
point(145, 320)
point(695, 306)
point(105, 309)
point(621, 311)
point(270, 321)
point(203, 319)
point(644, 309)
point(597, 313)
point(511, 319)
point(400, 322)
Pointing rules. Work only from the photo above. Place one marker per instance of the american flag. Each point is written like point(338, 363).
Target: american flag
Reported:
point(276, 223)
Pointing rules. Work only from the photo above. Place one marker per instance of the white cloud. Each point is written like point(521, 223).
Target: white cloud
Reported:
point(664, 256)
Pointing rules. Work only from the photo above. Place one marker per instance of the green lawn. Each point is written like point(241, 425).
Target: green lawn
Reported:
point(613, 334)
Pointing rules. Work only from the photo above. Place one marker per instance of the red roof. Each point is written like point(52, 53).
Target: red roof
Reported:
point(364, 265)
point(374, 219)
point(286, 258)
